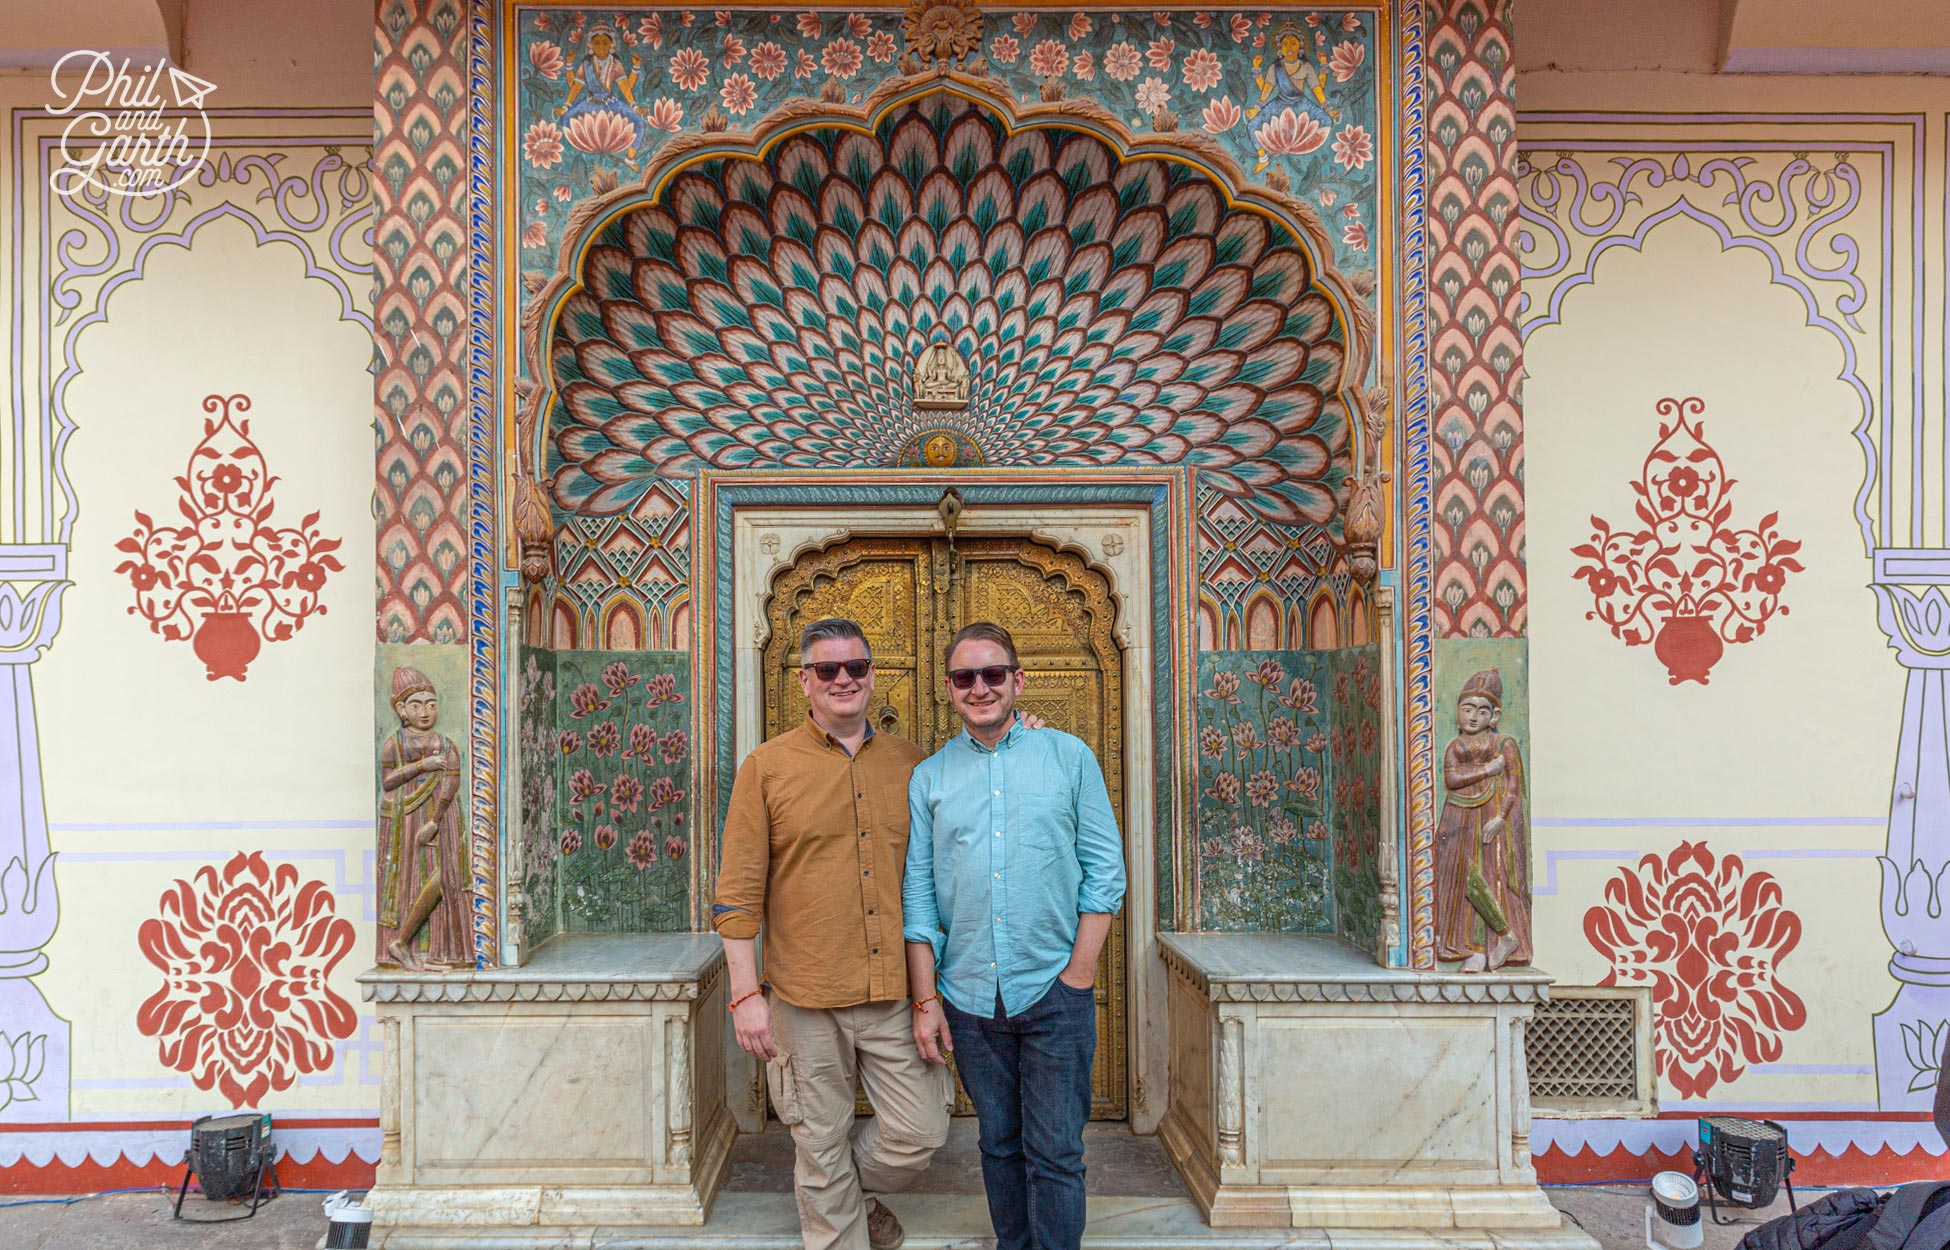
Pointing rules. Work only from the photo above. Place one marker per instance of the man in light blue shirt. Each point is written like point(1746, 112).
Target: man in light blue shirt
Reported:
point(1014, 869)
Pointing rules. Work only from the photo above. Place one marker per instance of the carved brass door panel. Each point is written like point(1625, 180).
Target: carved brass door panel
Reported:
point(911, 595)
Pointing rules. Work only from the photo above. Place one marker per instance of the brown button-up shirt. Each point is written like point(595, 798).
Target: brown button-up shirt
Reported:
point(814, 845)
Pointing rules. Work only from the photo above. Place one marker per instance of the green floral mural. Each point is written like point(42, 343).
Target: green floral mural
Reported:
point(1265, 851)
point(1355, 747)
point(622, 837)
point(539, 766)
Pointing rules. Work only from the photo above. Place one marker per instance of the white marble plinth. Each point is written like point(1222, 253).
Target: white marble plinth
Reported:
point(563, 1093)
point(1311, 1088)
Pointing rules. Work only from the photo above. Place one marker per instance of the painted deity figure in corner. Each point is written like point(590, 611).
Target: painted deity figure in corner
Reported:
point(422, 846)
point(1294, 83)
point(1482, 842)
point(603, 82)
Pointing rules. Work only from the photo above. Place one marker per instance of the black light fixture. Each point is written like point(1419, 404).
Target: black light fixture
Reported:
point(1743, 1163)
point(231, 1158)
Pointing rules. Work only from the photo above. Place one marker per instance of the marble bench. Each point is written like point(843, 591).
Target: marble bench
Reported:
point(566, 1092)
point(1312, 1088)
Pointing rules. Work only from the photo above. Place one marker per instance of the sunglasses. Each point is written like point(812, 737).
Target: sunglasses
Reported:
point(992, 676)
point(829, 670)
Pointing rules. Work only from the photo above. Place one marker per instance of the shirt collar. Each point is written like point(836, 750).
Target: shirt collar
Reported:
point(818, 731)
point(1009, 739)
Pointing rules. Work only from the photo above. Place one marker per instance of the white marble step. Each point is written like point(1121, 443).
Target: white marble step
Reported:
point(749, 1221)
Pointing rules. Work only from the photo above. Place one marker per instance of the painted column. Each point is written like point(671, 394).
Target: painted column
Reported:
point(34, 1065)
point(1914, 612)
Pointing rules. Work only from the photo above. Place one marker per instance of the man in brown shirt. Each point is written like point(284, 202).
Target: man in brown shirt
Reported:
point(814, 844)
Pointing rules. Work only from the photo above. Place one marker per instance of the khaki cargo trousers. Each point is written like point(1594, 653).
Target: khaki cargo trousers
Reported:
point(822, 1052)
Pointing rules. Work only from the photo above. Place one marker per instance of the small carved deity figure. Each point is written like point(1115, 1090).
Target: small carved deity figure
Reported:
point(941, 381)
point(422, 847)
point(1482, 843)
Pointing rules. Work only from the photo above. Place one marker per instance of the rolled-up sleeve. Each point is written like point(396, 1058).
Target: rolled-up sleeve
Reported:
point(1100, 849)
point(745, 857)
point(920, 904)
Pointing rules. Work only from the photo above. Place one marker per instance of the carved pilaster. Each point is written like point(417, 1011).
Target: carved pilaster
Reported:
point(1914, 612)
point(1519, 1098)
point(34, 1062)
point(1388, 944)
point(514, 943)
point(1232, 1091)
point(389, 1083)
point(677, 1089)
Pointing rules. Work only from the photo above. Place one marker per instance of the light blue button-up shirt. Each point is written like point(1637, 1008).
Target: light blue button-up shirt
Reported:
point(1005, 849)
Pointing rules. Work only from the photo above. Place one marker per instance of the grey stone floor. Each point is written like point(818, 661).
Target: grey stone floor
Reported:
point(1121, 1165)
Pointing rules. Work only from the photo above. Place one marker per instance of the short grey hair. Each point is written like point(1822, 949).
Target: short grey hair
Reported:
point(833, 628)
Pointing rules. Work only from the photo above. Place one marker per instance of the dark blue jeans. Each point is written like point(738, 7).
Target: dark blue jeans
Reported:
point(1029, 1078)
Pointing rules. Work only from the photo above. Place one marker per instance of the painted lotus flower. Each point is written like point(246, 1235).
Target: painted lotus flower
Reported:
point(541, 146)
point(660, 690)
point(1301, 696)
point(605, 837)
point(768, 60)
point(1709, 937)
point(1353, 148)
point(738, 94)
point(643, 740)
point(1083, 66)
point(1003, 49)
point(733, 50)
point(841, 58)
point(1152, 95)
point(1225, 687)
point(676, 745)
point(663, 792)
point(23, 1057)
point(880, 46)
point(1225, 788)
point(583, 785)
point(1221, 115)
point(1283, 733)
point(1049, 57)
point(625, 793)
point(617, 678)
point(246, 952)
point(534, 234)
point(1245, 736)
point(1161, 53)
point(1212, 742)
point(675, 846)
point(1270, 672)
point(1202, 70)
point(1291, 134)
point(689, 69)
point(1305, 782)
point(809, 25)
point(650, 30)
point(600, 134)
point(571, 841)
point(604, 739)
point(1346, 61)
point(666, 115)
point(1240, 27)
point(1122, 62)
point(1262, 788)
point(585, 700)
point(546, 57)
point(642, 850)
point(1080, 25)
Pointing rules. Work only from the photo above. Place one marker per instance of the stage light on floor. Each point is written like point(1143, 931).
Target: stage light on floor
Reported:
point(1672, 1217)
point(1743, 1163)
point(231, 1158)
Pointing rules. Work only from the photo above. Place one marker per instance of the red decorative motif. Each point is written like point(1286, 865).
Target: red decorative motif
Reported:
point(245, 955)
point(1687, 582)
point(1709, 937)
point(229, 579)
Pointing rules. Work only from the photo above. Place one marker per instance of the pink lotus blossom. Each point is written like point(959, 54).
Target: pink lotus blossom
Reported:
point(605, 837)
point(1049, 57)
point(1003, 49)
point(1302, 696)
point(1353, 148)
point(642, 850)
point(1160, 53)
point(809, 25)
point(666, 114)
point(1291, 134)
point(604, 739)
point(1327, 197)
point(1221, 115)
point(568, 742)
point(534, 234)
point(600, 134)
point(542, 145)
point(661, 689)
point(1352, 212)
point(651, 30)
point(1350, 22)
point(583, 786)
point(617, 678)
point(1225, 788)
point(1265, 19)
point(1202, 70)
point(1316, 742)
point(1080, 26)
point(1152, 94)
point(1084, 67)
point(768, 60)
point(688, 18)
point(625, 793)
point(674, 847)
point(1346, 61)
point(1241, 27)
point(1162, 17)
point(571, 841)
point(1262, 788)
point(734, 49)
point(1317, 831)
point(1121, 61)
point(1356, 236)
point(1259, 39)
point(689, 69)
point(723, 17)
point(629, 36)
point(738, 94)
point(1023, 22)
point(1284, 831)
point(563, 193)
point(643, 740)
point(585, 700)
point(664, 792)
point(841, 58)
point(1305, 782)
point(675, 744)
point(880, 46)
point(805, 66)
point(1202, 20)
point(545, 56)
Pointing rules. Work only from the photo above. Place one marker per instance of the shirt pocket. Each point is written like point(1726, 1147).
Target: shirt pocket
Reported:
point(1046, 824)
point(890, 803)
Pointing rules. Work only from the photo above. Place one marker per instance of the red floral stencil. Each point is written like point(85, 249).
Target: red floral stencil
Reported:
point(1709, 937)
point(228, 580)
point(245, 955)
point(1687, 582)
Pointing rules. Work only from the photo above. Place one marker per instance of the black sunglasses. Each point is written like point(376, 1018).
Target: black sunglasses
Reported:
point(992, 676)
point(827, 670)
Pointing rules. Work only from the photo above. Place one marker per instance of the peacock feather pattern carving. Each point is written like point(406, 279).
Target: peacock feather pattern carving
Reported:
point(770, 314)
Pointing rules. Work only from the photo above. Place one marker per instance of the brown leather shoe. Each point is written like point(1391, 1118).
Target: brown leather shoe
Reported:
point(884, 1231)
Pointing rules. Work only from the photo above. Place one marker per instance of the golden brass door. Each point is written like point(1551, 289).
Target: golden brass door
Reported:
point(910, 595)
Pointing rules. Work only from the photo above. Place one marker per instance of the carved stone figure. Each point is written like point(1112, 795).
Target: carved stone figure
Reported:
point(422, 845)
point(1482, 842)
point(941, 378)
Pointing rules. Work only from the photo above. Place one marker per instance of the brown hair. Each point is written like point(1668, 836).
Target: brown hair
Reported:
point(981, 631)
